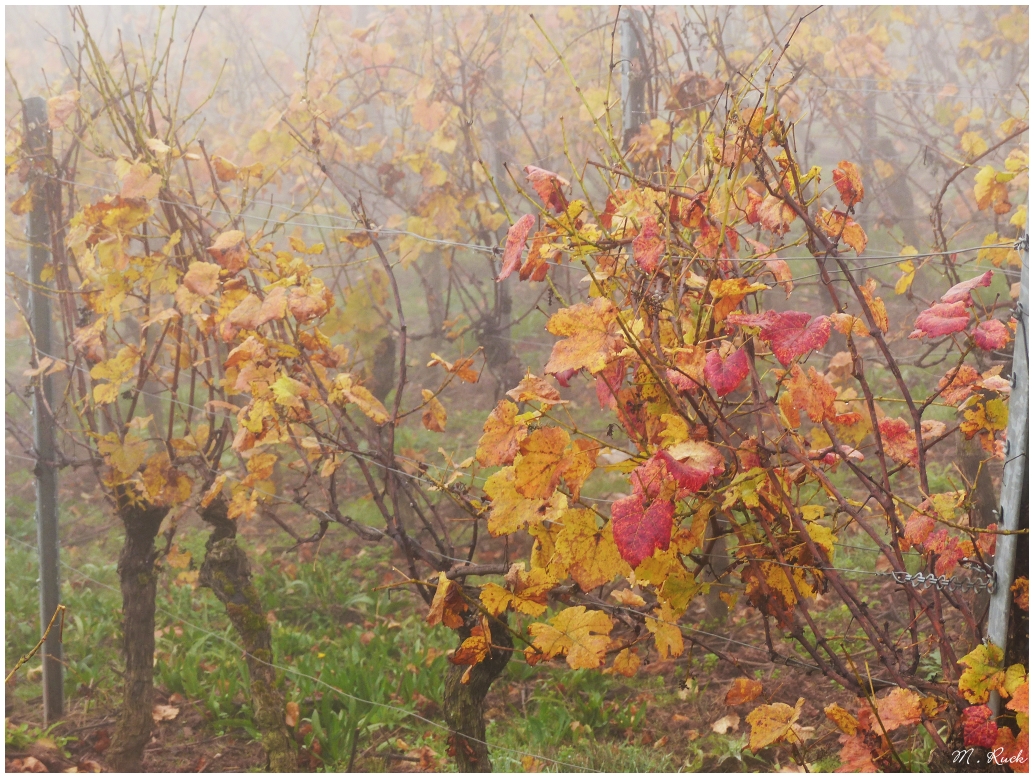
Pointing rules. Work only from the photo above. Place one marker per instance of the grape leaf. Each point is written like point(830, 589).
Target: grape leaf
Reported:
point(743, 690)
point(791, 334)
point(693, 463)
point(447, 604)
point(843, 719)
point(345, 391)
point(725, 375)
point(687, 373)
point(978, 727)
point(516, 238)
point(230, 251)
point(960, 293)
point(548, 186)
point(434, 416)
point(848, 182)
point(983, 673)
point(772, 723)
point(901, 707)
point(542, 461)
point(941, 319)
point(535, 389)
point(648, 245)
point(589, 340)
point(581, 634)
point(202, 278)
point(666, 634)
point(638, 531)
point(990, 335)
point(813, 394)
point(627, 661)
point(899, 441)
point(588, 551)
point(502, 435)
point(511, 511)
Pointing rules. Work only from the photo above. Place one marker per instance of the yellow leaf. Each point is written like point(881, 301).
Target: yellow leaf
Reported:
point(973, 144)
point(843, 719)
point(580, 634)
point(772, 723)
point(541, 463)
point(589, 552)
point(666, 633)
point(511, 511)
point(447, 605)
point(178, 560)
point(345, 391)
point(589, 340)
point(125, 456)
point(434, 416)
point(627, 661)
point(289, 392)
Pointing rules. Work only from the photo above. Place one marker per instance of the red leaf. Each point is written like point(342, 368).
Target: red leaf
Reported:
point(639, 531)
point(548, 186)
point(790, 338)
point(991, 334)
point(648, 246)
point(516, 237)
point(941, 319)
point(789, 333)
point(725, 375)
point(648, 477)
point(960, 293)
point(978, 727)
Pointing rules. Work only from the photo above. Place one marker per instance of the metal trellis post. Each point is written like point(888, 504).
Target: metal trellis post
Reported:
point(633, 94)
point(1015, 474)
point(38, 143)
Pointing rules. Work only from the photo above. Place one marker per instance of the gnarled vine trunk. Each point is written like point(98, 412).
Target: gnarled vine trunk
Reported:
point(465, 702)
point(138, 580)
point(226, 572)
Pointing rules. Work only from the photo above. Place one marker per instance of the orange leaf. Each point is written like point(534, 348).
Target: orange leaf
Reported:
point(447, 605)
point(502, 435)
point(588, 329)
point(743, 690)
point(848, 182)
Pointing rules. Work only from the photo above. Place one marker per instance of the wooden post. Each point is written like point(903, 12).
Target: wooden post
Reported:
point(1010, 516)
point(38, 144)
point(633, 92)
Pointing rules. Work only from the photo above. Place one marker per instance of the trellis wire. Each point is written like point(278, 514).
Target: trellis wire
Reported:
point(354, 225)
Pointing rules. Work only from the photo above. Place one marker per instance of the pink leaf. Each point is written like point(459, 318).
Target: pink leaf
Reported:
point(941, 319)
point(693, 463)
point(516, 237)
point(564, 377)
point(648, 246)
point(639, 531)
point(725, 375)
point(608, 383)
point(960, 293)
point(991, 334)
